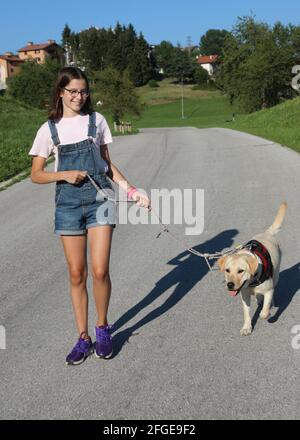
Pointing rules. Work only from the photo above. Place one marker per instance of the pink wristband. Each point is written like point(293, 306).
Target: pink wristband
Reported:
point(132, 191)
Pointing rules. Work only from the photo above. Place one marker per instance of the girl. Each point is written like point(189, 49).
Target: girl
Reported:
point(78, 137)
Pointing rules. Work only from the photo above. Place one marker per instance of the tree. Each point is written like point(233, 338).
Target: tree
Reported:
point(182, 65)
point(163, 53)
point(212, 42)
point(91, 49)
point(256, 64)
point(117, 93)
point(66, 35)
point(201, 75)
point(119, 47)
point(141, 63)
point(70, 43)
point(34, 83)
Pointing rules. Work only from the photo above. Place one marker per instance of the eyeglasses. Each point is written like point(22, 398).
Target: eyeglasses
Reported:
point(73, 92)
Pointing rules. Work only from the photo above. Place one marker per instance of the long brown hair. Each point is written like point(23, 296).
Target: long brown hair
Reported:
point(65, 76)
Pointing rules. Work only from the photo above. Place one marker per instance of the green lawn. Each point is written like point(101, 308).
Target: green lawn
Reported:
point(208, 111)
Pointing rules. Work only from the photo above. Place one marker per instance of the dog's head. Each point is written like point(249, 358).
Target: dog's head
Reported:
point(238, 270)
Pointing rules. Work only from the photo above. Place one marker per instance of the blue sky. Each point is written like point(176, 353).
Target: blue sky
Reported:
point(172, 20)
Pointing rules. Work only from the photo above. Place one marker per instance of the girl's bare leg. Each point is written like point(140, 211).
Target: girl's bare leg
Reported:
point(100, 245)
point(75, 247)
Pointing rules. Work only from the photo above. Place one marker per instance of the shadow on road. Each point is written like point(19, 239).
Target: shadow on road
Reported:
point(287, 287)
point(188, 271)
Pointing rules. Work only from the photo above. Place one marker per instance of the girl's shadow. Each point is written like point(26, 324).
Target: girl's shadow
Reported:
point(189, 270)
point(288, 286)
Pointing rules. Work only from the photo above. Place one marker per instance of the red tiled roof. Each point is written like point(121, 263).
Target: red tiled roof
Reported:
point(36, 47)
point(13, 58)
point(207, 59)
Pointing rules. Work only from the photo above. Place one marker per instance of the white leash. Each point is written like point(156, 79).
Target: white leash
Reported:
point(206, 256)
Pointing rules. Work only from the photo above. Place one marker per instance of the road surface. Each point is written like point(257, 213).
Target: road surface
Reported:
point(178, 350)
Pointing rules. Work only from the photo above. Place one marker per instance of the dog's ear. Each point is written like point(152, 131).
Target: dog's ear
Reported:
point(221, 263)
point(253, 264)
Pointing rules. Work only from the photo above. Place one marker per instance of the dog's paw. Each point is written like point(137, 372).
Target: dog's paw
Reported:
point(246, 331)
point(264, 315)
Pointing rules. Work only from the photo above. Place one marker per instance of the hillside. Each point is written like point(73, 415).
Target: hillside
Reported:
point(280, 123)
point(211, 109)
point(18, 126)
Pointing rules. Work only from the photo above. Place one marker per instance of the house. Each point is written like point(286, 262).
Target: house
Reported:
point(40, 52)
point(209, 63)
point(10, 65)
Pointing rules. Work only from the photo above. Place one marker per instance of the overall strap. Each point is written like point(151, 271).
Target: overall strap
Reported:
point(92, 125)
point(54, 133)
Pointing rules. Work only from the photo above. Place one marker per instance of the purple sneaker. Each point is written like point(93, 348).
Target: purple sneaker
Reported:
point(103, 344)
point(82, 350)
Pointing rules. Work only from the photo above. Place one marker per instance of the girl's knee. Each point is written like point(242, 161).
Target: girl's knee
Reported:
point(78, 276)
point(100, 274)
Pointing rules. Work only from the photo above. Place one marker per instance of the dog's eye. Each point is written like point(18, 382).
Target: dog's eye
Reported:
point(241, 271)
point(227, 270)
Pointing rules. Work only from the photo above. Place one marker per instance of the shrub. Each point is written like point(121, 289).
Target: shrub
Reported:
point(34, 83)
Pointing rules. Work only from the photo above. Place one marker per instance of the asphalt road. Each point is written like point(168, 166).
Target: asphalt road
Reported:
point(178, 350)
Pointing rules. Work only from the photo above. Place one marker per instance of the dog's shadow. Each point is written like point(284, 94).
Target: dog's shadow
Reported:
point(286, 289)
point(188, 271)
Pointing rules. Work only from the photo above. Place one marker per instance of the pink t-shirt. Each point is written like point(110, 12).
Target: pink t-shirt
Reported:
point(70, 131)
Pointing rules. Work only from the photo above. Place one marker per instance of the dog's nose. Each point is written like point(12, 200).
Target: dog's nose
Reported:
point(230, 285)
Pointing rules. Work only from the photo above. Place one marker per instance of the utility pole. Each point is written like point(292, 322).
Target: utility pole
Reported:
point(189, 44)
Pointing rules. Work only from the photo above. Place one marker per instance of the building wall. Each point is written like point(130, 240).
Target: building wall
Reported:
point(7, 70)
point(209, 68)
point(3, 74)
point(39, 55)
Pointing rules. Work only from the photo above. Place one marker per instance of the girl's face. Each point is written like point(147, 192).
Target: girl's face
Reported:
point(73, 97)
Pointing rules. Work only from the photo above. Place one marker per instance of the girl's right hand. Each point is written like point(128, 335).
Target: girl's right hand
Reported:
point(74, 176)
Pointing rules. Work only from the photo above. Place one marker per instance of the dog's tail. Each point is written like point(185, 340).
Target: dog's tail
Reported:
point(276, 226)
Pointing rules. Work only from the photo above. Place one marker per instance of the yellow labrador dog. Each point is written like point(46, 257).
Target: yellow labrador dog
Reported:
point(254, 270)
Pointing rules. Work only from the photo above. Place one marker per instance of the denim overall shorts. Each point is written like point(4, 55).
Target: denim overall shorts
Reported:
point(76, 207)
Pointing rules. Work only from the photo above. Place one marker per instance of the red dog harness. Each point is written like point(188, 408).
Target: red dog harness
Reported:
point(261, 251)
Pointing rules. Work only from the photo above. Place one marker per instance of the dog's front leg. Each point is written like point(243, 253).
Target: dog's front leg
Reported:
point(247, 327)
point(268, 297)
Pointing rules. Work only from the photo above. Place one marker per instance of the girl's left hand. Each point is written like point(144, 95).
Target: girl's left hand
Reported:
point(141, 200)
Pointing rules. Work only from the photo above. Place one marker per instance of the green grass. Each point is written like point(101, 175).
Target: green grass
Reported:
point(209, 111)
point(18, 126)
point(279, 124)
point(202, 108)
